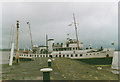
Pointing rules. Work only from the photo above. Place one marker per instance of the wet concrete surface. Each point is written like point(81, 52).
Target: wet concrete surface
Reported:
point(63, 69)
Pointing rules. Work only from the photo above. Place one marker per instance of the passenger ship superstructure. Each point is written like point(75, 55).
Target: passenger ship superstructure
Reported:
point(68, 50)
point(71, 50)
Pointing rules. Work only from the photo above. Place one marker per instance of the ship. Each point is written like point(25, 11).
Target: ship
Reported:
point(71, 49)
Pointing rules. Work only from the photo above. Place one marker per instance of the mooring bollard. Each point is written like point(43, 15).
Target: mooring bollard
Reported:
point(46, 73)
point(49, 62)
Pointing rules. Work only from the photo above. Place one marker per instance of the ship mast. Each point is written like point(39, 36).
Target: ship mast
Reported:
point(76, 32)
point(17, 53)
point(30, 35)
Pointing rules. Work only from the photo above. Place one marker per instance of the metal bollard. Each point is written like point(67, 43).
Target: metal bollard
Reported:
point(46, 73)
point(49, 62)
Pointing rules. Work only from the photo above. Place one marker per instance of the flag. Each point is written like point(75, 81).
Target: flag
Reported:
point(70, 25)
point(112, 43)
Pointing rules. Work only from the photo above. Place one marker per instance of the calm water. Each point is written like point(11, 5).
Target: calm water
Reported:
point(4, 57)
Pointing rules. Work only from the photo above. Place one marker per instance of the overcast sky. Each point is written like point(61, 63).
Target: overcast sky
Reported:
point(98, 22)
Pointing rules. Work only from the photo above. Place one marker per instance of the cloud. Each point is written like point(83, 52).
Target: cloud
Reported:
point(97, 21)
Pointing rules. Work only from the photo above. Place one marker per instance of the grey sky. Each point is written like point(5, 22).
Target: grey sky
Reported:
point(98, 22)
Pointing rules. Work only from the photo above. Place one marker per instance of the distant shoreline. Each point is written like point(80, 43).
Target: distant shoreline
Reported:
point(8, 49)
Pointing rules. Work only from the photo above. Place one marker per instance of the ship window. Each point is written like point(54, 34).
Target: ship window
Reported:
point(107, 55)
point(59, 55)
point(97, 53)
point(80, 54)
point(71, 55)
point(73, 48)
point(76, 48)
point(56, 55)
point(27, 55)
point(90, 54)
point(40, 55)
point(76, 55)
point(63, 55)
point(67, 55)
point(86, 54)
point(30, 55)
point(35, 55)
